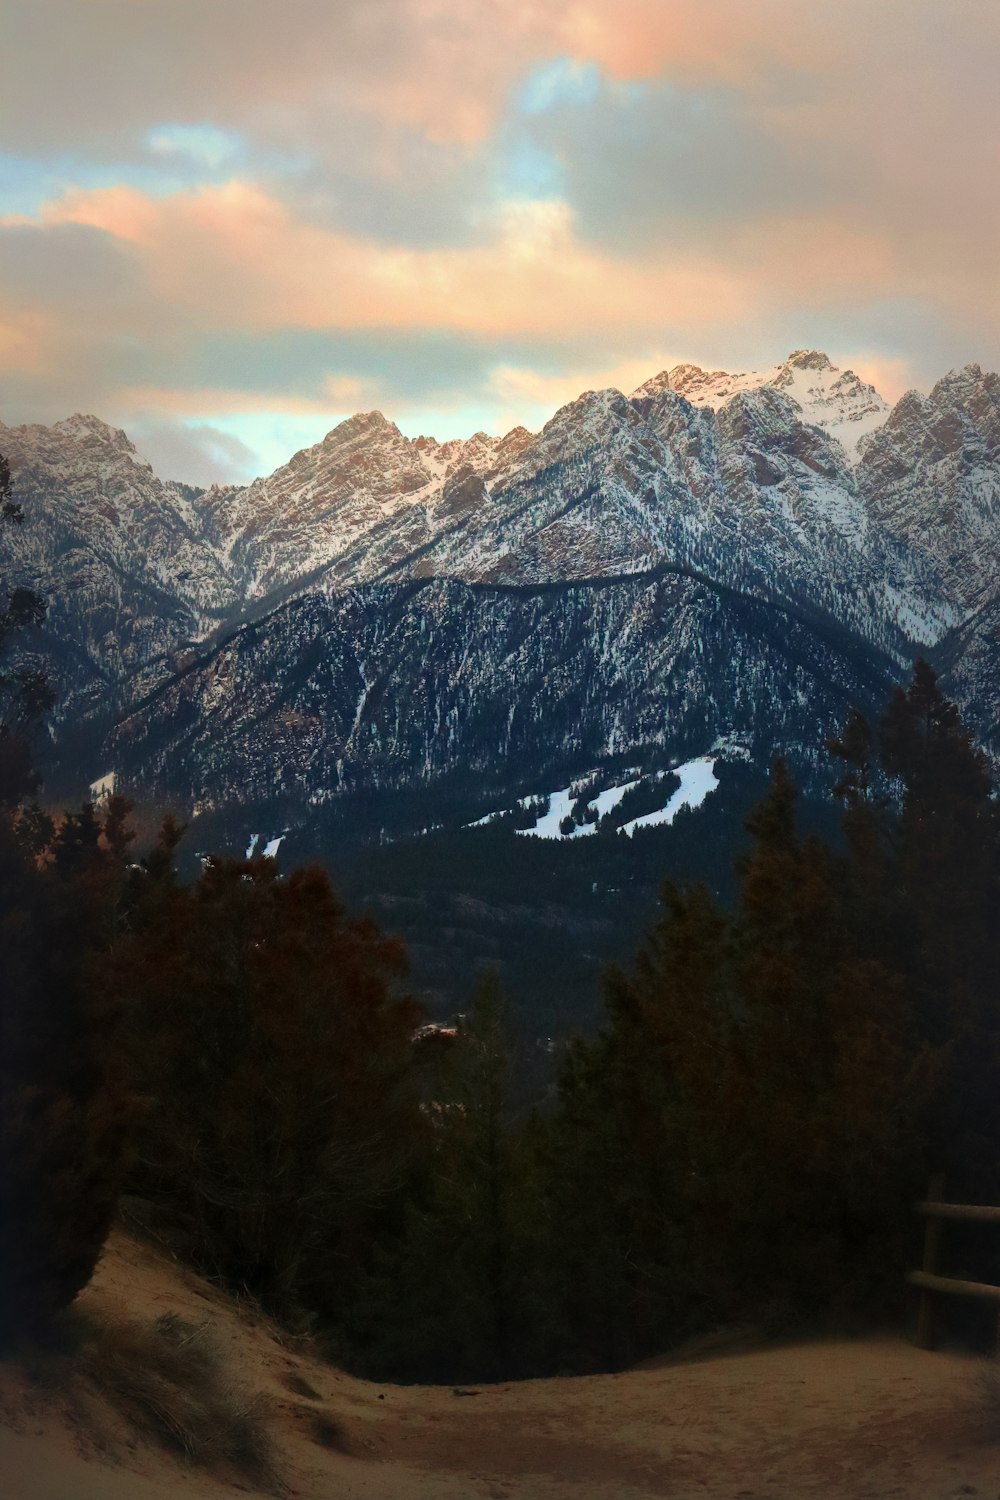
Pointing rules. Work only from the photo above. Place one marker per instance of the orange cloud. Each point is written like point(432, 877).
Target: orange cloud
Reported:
point(202, 401)
point(520, 387)
point(234, 257)
point(122, 212)
point(710, 40)
point(25, 334)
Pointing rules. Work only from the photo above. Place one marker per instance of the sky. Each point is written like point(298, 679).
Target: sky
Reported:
point(225, 225)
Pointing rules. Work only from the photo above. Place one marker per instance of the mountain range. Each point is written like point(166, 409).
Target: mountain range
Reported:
point(714, 560)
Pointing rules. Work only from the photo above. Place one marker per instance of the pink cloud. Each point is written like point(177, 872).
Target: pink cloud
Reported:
point(235, 257)
point(25, 334)
point(704, 40)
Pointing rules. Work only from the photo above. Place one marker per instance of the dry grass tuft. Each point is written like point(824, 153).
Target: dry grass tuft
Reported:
point(168, 1381)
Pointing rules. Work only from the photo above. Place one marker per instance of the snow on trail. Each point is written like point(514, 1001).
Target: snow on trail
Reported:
point(606, 802)
point(698, 778)
point(263, 848)
point(560, 806)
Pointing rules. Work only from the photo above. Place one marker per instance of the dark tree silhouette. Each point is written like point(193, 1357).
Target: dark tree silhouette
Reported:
point(64, 1095)
point(275, 1060)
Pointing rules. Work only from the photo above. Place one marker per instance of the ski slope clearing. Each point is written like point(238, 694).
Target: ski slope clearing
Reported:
point(698, 778)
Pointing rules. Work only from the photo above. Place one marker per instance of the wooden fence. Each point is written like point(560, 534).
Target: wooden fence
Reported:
point(927, 1279)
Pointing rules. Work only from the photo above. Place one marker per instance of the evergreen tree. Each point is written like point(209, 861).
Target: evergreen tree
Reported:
point(276, 1063)
point(25, 694)
point(64, 1095)
point(456, 1291)
point(931, 887)
point(830, 1089)
point(748, 1123)
point(627, 1180)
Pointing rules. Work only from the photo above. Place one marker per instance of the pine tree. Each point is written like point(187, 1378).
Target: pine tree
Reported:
point(275, 1060)
point(632, 1160)
point(748, 1120)
point(945, 884)
point(827, 1054)
point(456, 1291)
point(64, 1095)
point(25, 694)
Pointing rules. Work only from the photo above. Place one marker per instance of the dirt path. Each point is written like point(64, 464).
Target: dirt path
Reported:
point(864, 1420)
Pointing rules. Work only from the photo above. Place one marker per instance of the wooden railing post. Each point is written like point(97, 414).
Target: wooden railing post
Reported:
point(932, 1247)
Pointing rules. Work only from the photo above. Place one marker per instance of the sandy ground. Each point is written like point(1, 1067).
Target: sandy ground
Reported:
point(861, 1420)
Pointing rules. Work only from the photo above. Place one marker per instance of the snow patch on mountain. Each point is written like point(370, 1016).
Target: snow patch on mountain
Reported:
point(547, 827)
point(698, 778)
point(846, 407)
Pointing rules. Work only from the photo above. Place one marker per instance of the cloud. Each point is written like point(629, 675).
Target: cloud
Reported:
point(199, 454)
point(237, 212)
point(442, 67)
point(236, 257)
point(226, 290)
point(529, 396)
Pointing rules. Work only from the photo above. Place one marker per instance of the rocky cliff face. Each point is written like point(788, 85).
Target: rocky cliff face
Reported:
point(931, 481)
point(123, 559)
point(715, 554)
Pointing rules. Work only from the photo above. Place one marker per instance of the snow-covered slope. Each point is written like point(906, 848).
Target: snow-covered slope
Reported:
point(363, 499)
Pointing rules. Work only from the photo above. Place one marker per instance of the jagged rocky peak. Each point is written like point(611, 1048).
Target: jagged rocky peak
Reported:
point(974, 392)
point(761, 415)
point(700, 387)
point(764, 429)
point(910, 407)
point(364, 426)
point(931, 478)
point(808, 359)
point(82, 441)
point(839, 401)
point(482, 453)
point(592, 413)
point(596, 419)
point(85, 425)
point(962, 412)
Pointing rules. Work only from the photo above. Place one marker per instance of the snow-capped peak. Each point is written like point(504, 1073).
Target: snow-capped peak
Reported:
point(845, 406)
